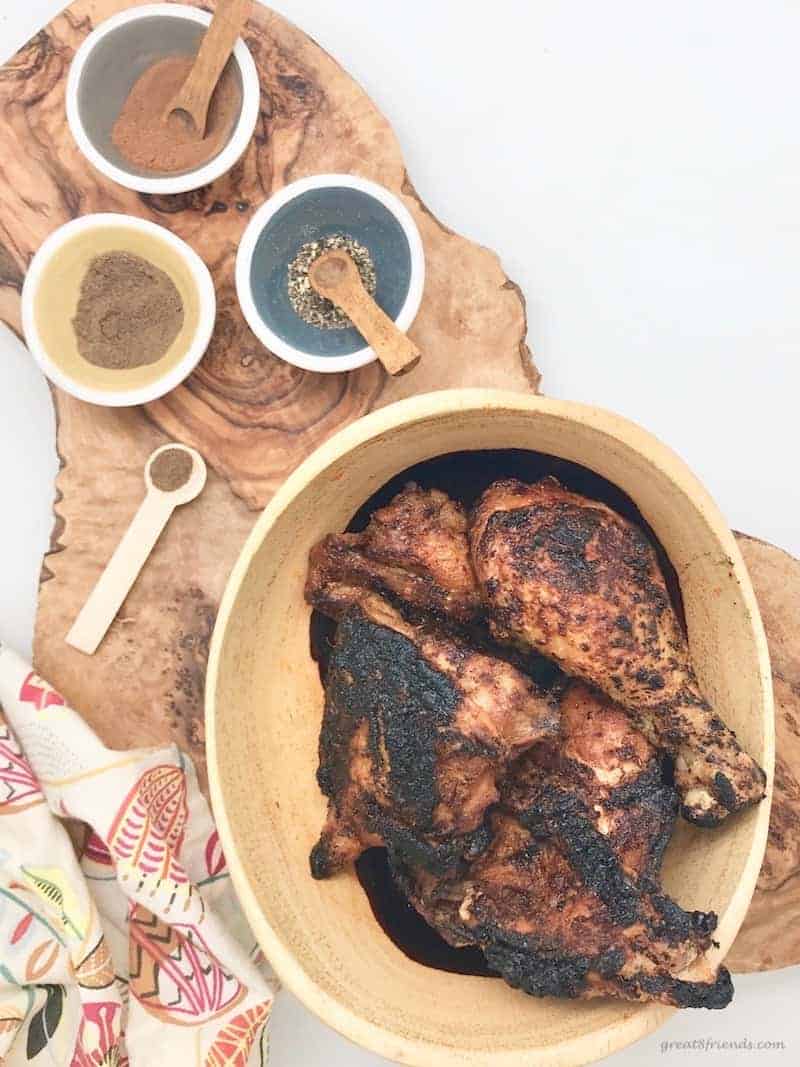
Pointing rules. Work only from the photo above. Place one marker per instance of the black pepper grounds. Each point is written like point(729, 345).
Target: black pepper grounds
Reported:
point(171, 470)
point(312, 308)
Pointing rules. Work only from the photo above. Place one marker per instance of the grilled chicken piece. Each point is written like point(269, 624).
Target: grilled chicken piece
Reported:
point(548, 933)
point(415, 550)
point(418, 731)
point(573, 579)
point(564, 901)
point(602, 789)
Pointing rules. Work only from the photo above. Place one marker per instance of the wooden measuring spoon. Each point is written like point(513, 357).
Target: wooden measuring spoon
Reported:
point(133, 551)
point(194, 96)
point(335, 276)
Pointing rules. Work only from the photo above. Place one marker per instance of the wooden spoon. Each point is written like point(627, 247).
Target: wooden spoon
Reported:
point(335, 276)
point(194, 96)
point(133, 551)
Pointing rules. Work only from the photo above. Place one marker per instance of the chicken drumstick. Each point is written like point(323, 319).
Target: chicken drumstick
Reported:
point(573, 579)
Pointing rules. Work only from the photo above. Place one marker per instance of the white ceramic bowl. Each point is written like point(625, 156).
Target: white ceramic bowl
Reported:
point(279, 345)
point(172, 183)
point(207, 311)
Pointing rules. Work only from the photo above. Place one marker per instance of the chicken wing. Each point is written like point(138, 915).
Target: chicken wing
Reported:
point(418, 731)
point(414, 550)
point(576, 581)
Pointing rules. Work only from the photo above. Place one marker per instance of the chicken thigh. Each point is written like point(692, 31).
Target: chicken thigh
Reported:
point(602, 790)
point(571, 578)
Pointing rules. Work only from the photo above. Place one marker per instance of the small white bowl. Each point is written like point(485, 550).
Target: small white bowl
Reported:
point(178, 371)
point(304, 229)
point(172, 183)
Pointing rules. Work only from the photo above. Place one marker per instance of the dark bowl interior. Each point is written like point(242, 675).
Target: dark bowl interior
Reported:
point(311, 216)
point(115, 65)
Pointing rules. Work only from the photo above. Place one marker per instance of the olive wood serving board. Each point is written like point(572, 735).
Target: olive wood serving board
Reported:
point(770, 936)
point(254, 418)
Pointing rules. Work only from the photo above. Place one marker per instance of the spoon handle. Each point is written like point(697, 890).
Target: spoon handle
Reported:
point(396, 351)
point(214, 53)
point(335, 276)
point(123, 569)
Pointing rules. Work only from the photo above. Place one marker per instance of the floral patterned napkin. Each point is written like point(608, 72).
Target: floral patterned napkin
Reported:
point(130, 949)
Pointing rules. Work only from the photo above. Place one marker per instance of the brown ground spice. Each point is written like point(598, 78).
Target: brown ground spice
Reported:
point(149, 142)
point(129, 312)
point(171, 469)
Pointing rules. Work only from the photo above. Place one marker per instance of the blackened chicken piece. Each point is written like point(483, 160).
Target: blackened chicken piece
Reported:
point(418, 730)
point(548, 933)
point(599, 787)
point(545, 931)
point(564, 902)
point(414, 550)
point(437, 898)
point(571, 578)
point(602, 788)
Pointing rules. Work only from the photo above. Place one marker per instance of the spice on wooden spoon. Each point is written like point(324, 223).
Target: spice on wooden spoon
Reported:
point(193, 98)
point(174, 475)
point(304, 298)
point(335, 276)
point(152, 145)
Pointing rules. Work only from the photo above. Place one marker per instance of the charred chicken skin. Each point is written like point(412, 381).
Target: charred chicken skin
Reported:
point(414, 550)
point(564, 901)
point(528, 822)
point(417, 734)
point(573, 579)
point(602, 789)
point(546, 932)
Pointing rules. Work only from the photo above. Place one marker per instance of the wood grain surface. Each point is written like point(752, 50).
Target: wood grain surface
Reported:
point(255, 418)
point(252, 416)
point(770, 936)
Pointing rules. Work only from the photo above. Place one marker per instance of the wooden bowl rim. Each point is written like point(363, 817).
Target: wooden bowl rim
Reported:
point(599, 1043)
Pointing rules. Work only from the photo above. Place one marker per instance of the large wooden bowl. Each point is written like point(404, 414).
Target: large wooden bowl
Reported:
point(264, 706)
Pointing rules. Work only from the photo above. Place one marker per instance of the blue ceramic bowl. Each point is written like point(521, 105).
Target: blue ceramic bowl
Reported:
point(310, 210)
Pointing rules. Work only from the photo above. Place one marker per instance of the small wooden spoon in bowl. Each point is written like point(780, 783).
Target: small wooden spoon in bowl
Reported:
point(194, 97)
point(335, 276)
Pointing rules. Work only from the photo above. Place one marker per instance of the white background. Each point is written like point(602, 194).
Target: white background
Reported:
point(636, 165)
